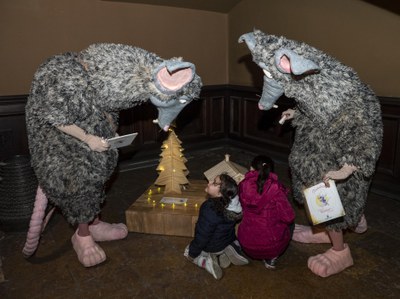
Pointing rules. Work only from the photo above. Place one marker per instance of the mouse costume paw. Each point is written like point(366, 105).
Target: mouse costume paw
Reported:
point(362, 225)
point(330, 262)
point(104, 231)
point(306, 234)
point(89, 253)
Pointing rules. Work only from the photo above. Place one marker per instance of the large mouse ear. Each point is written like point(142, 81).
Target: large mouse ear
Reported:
point(171, 76)
point(288, 62)
point(249, 39)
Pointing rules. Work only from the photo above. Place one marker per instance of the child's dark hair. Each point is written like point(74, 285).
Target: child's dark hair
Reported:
point(228, 189)
point(264, 165)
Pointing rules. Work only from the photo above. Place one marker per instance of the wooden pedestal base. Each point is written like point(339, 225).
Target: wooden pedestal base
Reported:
point(148, 215)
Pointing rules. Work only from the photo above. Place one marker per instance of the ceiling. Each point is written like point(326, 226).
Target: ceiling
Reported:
point(222, 6)
point(390, 5)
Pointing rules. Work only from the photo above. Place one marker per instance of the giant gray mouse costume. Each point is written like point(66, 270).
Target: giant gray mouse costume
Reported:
point(73, 108)
point(338, 133)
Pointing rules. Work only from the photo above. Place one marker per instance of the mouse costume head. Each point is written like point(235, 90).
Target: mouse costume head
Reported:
point(318, 83)
point(123, 76)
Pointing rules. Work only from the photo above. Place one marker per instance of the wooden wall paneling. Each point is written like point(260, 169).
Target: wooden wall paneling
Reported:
point(222, 111)
point(191, 121)
point(262, 127)
point(13, 136)
point(257, 123)
point(389, 162)
point(235, 116)
point(126, 126)
point(139, 119)
point(217, 116)
point(217, 111)
point(257, 127)
point(143, 117)
point(386, 180)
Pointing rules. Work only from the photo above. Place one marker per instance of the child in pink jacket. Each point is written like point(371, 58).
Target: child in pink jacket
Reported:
point(268, 218)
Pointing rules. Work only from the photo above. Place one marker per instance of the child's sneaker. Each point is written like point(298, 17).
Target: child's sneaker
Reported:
point(235, 254)
point(209, 263)
point(223, 261)
point(270, 264)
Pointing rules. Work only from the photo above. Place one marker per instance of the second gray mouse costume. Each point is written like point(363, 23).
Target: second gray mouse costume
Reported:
point(88, 89)
point(338, 118)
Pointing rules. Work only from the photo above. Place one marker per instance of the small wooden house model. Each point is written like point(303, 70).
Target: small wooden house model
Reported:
point(234, 170)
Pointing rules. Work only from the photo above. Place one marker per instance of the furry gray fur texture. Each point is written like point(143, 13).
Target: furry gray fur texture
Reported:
point(78, 88)
point(337, 121)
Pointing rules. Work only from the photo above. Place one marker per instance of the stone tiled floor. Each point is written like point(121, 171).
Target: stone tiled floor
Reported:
point(152, 266)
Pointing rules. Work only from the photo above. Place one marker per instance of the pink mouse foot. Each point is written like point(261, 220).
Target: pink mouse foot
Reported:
point(89, 253)
point(362, 225)
point(331, 262)
point(307, 234)
point(104, 231)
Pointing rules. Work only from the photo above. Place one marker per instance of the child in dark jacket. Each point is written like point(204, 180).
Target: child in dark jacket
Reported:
point(214, 244)
point(268, 218)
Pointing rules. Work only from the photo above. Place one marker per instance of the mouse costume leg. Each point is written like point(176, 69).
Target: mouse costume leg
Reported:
point(89, 253)
point(306, 234)
point(362, 225)
point(103, 231)
point(333, 261)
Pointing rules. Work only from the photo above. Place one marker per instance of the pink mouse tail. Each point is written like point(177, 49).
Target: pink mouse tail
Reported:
point(36, 224)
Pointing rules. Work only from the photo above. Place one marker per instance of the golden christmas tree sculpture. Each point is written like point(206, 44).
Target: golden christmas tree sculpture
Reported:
point(172, 169)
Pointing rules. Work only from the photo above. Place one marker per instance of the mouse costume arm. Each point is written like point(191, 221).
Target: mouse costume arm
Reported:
point(95, 143)
point(341, 174)
point(286, 115)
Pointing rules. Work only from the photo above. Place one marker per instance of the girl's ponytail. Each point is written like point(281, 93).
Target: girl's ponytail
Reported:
point(264, 165)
